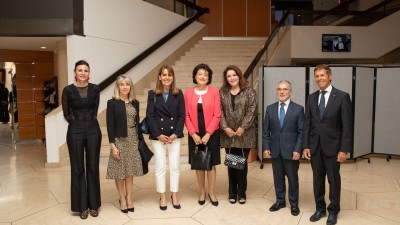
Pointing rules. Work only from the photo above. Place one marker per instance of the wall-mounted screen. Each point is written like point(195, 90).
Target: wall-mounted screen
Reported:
point(336, 42)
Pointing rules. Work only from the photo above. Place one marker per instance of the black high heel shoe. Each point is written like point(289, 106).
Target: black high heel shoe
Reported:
point(202, 202)
point(175, 206)
point(163, 208)
point(122, 210)
point(129, 209)
point(212, 202)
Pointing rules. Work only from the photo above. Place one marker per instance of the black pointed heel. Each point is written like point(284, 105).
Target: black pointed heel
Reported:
point(175, 206)
point(214, 203)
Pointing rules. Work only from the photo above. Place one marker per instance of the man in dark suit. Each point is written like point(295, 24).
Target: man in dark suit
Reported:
point(283, 131)
point(327, 138)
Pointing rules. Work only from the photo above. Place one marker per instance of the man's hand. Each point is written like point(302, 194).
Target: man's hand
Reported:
point(296, 156)
point(342, 156)
point(267, 154)
point(307, 153)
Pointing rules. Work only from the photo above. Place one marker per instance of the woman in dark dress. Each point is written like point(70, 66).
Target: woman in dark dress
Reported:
point(80, 103)
point(203, 113)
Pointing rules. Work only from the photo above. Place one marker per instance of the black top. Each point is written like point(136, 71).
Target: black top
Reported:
point(76, 107)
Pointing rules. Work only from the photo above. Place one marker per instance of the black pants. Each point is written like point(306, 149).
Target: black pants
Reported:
point(286, 167)
point(323, 166)
point(84, 136)
point(238, 178)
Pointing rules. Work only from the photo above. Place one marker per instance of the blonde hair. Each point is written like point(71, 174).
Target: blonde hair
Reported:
point(118, 81)
point(159, 87)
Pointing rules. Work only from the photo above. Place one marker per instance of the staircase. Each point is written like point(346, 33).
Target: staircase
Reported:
point(217, 54)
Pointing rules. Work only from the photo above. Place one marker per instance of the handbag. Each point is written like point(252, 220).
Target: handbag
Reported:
point(200, 160)
point(235, 161)
point(144, 127)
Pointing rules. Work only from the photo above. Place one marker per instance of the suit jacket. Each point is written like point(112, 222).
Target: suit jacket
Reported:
point(335, 129)
point(211, 110)
point(283, 141)
point(243, 116)
point(116, 119)
point(165, 118)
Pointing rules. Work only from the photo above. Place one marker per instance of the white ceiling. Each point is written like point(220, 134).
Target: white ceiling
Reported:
point(30, 43)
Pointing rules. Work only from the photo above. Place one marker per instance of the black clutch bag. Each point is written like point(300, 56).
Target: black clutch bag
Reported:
point(235, 161)
point(144, 127)
point(200, 160)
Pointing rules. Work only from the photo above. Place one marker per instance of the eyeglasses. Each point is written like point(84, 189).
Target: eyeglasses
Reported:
point(282, 89)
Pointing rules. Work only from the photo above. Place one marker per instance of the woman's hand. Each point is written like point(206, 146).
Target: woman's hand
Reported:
point(196, 138)
point(172, 138)
point(206, 138)
point(163, 138)
point(239, 131)
point(229, 132)
point(115, 153)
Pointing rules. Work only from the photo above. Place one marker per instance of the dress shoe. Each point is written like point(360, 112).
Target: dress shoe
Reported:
point(214, 203)
point(332, 219)
point(242, 201)
point(163, 208)
point(129, 209)
point(317, 216)
point(175, 206)
point(232, 200)
point(202, 202)
point(295, 210)
point(84, 214)
point(277, 206)
point(94, 212)
point(122, 210)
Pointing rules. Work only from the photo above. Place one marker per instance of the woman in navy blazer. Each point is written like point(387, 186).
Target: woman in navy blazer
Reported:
point(165, 115)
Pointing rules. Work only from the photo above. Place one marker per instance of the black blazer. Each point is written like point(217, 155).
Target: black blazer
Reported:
point(116, 119)
point(288, 139)
point(165, 118)
point(335, 130)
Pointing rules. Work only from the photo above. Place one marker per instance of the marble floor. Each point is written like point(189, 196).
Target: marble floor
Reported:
point(32, 194)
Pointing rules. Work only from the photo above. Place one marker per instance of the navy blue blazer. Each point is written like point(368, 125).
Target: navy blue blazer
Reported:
point(283, 141)
point(165, 118)
point(335, 130)
point(116, 119)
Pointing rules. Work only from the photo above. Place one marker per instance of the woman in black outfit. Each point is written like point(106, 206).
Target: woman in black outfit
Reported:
point(80, 102)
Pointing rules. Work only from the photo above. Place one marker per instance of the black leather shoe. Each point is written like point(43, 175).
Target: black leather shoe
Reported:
point(317, 216)
point(277, 206)
point(202, 202)
point(175, 206)
point(163, 208)
point(214, 203)
point(332, 219)
point(295, 210)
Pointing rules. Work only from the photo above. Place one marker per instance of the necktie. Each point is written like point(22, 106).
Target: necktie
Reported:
point(282, 114)
point(322, 104)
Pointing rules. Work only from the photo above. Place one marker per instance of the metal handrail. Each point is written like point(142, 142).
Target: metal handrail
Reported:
point(128, 66)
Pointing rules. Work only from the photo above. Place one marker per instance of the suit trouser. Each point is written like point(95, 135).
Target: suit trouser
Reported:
point(288, 167)
point(238, 178)
point(322, 166)
point(174, 156)
point(84, 136)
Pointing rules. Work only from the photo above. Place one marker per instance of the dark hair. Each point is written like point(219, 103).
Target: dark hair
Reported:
point(242, 81)
point(81, 62)
point(205, 67)
point(159, 88)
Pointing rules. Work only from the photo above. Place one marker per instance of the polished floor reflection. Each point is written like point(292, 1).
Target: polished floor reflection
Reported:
point(32, 194)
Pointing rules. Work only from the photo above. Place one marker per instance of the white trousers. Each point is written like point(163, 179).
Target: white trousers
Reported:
point(174, 156)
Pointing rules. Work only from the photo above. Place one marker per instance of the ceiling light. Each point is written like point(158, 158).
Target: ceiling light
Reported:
point(43, 47)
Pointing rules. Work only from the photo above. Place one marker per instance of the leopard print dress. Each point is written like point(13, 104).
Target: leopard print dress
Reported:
point(131, 162)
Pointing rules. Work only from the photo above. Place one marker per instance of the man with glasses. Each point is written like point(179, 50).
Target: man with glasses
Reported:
point(282, 141)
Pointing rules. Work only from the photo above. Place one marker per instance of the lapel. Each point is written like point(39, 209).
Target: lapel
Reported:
point(331, 99)
point(275, 114)
point(316, 108)
point(165, 105)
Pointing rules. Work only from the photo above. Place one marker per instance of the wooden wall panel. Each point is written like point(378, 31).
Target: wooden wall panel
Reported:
point(24, 56)
point(24, 82)
point(39, 81)
point(258, 18)
point(213, 20)
point(39, 120)
point(26, 108)
point(39, 95)
point(27, 132)
point(43, 69)
point(26, 120)
point(39, 107)
point(234, 18)
point(40, 132)
point(24, 69)
point(25, 95)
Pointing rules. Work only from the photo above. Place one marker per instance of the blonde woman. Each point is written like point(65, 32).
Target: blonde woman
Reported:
point(125, 161)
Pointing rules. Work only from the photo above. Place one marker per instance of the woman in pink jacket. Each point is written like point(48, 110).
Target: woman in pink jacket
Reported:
point(203, 113)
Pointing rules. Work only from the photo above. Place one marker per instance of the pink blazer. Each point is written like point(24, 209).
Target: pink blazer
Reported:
point(211, 110)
